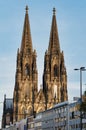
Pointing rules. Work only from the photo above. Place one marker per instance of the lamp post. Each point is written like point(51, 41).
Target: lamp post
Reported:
point(80, 69)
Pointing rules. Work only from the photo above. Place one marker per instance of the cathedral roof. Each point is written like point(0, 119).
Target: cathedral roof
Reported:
point(26, 36)
point(54, 45)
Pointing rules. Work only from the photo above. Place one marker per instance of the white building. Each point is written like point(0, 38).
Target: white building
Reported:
point(74, 117)
point(56, 118)
point(38, 121)
point(63, 116)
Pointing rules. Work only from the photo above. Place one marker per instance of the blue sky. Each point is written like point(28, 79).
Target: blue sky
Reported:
point(71, 22)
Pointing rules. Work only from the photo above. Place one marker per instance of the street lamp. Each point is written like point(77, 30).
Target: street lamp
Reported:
point(80, 69)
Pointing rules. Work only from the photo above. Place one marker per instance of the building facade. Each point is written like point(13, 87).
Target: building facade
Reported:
point(56, 118)
point(62, 116)
point(27, 100)
point(7, 117)
point(75, 118)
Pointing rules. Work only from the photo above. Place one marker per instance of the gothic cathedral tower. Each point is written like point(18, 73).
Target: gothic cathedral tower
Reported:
point(54, 76)
point(27, 98)
point(26, 75)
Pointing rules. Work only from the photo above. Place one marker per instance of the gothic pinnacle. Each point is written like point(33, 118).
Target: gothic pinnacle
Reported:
point(54, 11)
point(26, 9)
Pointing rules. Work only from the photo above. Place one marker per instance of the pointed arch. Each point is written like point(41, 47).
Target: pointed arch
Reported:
point(40, 109)
point(62, 93)
point(29, 109)
point(21, 112)
point(55, 70)
point(55, 91)
point(22, 109)
point(27, 69)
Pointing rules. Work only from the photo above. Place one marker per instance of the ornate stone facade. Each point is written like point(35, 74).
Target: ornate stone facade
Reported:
point(27, 99)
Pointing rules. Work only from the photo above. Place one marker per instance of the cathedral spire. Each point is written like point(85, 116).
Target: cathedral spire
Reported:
point(54, 46)
point(26, 44)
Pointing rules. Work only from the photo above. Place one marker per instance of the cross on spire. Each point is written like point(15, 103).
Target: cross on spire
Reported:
point(54, 11)
point(26, 9)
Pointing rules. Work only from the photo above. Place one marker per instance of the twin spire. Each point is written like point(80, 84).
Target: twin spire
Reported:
point(26, 36)
point(54, 45)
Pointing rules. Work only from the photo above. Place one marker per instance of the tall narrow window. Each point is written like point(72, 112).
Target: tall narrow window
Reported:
point(55, 71)
point(55, 91)
point(62, 94)
point(27, 69)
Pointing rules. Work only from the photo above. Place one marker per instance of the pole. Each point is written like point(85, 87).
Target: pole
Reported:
point(81, 98)
point(81, 69)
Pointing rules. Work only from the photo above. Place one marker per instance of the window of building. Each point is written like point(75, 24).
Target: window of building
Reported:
point(27, 70)
point(55, 71)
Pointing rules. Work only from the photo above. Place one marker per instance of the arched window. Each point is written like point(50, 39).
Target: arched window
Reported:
point(62, 94)
point(55, 71)
point(55, 91)
point(27, 69)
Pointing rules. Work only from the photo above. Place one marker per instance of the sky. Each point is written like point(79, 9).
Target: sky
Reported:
point(71, 22)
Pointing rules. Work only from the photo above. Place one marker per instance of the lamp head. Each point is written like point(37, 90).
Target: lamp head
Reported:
point(82, 68)
point(76, 69)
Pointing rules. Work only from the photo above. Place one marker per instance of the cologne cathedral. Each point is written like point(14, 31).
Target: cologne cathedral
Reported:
point(27, 100)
